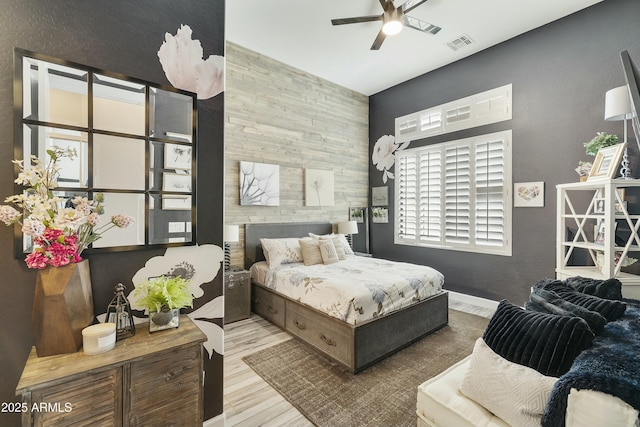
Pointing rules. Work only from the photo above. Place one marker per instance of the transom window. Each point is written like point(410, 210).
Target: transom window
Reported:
point(456, 195)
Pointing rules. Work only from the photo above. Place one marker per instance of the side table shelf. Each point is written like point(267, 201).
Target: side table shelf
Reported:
point(148, 379)
point(594, 211)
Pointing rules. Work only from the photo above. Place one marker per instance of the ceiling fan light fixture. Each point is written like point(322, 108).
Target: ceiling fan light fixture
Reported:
point(392, 22)
point(391, 28)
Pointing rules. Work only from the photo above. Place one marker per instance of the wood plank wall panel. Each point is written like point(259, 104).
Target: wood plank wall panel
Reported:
point(280, 115)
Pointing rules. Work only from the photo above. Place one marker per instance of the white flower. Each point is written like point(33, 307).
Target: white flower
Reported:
point(383, 150)
point(183, 64)
point(33, 228)
point(8, 214)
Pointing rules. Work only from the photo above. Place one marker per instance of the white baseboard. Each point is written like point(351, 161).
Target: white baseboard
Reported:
point(470, 299)
point(218, 421)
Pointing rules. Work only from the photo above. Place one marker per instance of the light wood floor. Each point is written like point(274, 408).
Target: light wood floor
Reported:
point(248, 400)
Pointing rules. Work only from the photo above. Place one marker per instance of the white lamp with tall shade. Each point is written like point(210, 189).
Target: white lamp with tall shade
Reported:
point(348, 228)
point(617, 106)
point(231, 234)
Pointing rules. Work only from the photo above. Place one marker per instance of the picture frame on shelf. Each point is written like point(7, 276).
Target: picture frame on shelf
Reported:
point(605, 166)
point(598, 205)
point(599, 231)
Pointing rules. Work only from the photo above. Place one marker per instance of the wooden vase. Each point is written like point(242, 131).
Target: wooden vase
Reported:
point(62, 308)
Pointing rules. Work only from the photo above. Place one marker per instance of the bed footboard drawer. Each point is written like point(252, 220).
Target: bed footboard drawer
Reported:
point(314, 329)
point(267, 305)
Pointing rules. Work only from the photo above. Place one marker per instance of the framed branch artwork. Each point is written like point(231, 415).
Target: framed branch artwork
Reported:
point(259, 184)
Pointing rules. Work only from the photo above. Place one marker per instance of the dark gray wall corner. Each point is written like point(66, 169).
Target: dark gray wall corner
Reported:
point(560, 74)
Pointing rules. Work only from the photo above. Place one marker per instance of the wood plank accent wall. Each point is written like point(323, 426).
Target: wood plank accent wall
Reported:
point(280, 115)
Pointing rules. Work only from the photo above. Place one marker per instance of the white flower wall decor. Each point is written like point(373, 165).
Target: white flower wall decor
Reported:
point(198, 264)
point(259, 184)
point(318, 187)
point(382, 156)
point(183, 64)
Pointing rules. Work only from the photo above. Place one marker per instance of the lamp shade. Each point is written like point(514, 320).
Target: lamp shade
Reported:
point(617, 104)
point(231, 233)
point(348, 227)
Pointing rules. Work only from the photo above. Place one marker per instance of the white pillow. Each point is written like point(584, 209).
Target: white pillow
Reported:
point(515, 393)
point(337, 239)
point(310, 251)
point(281, 251)
point(328, 251)
point(596, 409)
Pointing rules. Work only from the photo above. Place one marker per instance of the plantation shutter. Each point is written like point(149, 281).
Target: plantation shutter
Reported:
point(430, 200)
point(457, 187)
point(456, 195)
point(407, 177)
point(490, 193)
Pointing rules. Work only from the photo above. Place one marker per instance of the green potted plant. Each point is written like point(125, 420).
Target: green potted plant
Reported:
point(163, 297)
point(601, 140)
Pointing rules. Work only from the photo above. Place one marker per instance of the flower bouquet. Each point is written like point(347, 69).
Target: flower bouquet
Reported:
point(60, 229)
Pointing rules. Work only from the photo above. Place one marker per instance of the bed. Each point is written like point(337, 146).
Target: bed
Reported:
point(345, 336)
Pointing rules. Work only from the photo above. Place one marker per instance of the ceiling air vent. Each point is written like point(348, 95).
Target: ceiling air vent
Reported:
point(460, 42)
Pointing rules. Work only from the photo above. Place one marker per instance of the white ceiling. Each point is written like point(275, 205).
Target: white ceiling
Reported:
point(299, 33)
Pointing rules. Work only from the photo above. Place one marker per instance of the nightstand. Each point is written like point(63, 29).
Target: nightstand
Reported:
point(237, 294)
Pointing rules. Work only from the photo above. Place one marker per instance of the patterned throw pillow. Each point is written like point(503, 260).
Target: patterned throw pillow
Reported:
point(281, 251)
point(515, 393)
point(310, 251)
point(328, 251)
point(545, 342)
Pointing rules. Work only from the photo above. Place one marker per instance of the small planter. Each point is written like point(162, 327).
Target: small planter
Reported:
point(160, 320)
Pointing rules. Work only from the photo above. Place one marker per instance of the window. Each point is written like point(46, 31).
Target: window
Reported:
point(456, 195)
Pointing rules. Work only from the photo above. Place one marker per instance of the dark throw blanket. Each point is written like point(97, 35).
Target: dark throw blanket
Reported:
point(611, 365)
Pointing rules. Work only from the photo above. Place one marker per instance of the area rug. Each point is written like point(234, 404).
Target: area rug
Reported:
point(382, 395)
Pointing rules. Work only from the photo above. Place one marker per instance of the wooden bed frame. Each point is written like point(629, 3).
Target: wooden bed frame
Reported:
point(354, 346)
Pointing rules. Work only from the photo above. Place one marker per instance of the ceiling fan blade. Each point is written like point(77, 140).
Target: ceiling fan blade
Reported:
point(378, 41)
point(420, 25)
point(356, 20)
point(409, 5)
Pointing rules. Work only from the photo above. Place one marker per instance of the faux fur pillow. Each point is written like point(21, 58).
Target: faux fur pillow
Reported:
point(611, 310)
point(609, 289)
point(545, 342)
point(549, 302)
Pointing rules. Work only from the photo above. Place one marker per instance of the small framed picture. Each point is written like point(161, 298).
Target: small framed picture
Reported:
point(598, 206)
point(607, 161)
point(599, 237)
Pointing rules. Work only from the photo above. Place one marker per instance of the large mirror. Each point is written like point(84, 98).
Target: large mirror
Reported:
point(135, 144)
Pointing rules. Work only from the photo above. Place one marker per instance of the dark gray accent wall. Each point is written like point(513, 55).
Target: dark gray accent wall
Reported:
point(121, 36)
point(560, 73)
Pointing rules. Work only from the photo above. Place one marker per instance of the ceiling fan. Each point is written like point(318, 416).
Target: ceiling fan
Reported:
point(393, 20)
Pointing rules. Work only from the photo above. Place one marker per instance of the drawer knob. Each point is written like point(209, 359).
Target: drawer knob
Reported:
point(328, 340)
point(272, 310)
point(300, 325)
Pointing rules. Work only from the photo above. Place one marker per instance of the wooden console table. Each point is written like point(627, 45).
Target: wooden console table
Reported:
point(146, 380)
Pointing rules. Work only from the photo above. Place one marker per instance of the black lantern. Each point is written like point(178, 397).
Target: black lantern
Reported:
point(119, 312)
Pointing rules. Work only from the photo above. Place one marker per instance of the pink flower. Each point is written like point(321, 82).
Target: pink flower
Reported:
point(122, 221)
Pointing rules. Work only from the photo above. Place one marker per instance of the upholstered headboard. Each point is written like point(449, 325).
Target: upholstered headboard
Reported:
point(254, 232)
